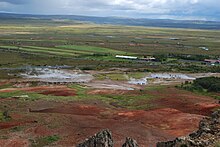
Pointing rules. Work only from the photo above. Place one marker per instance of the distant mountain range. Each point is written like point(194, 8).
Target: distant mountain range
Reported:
point(169, 23)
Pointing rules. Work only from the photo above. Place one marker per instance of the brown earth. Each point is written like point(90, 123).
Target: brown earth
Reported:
point(3, 83)
point(75, 109)
point(146, 126)
point(7, 99)
point(175, 113)
point(74, 122)
point(6, 125)
point(109, 91)
point(46, 90)
point(16, 142)
point(184, 101)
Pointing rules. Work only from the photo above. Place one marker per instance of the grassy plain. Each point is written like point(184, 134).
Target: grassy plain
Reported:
point(145, 40)
point(92, 46)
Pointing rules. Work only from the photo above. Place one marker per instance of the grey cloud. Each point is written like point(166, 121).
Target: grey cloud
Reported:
point(133, 8)
point(16, 2)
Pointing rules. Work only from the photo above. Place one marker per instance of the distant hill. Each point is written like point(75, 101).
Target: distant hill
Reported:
point(193, 24)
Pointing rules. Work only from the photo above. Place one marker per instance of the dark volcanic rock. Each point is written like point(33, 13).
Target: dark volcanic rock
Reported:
point(130, 143)
point(101, 139)
point(208, 134)
point(104, 139)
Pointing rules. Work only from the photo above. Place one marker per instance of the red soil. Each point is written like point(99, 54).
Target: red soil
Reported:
point(7, 99)
point(147, 127)
point(174, 122)
point(16, 142)
point(41, 131)
point(4, 83)
point(10, 124)
point(76, 121)
point(46, 90)
point(176, 113)
point(184, 101)
point(75, 109)
point(59, 92)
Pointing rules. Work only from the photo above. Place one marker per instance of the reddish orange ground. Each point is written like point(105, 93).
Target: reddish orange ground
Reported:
point(175, 113)
point(4, 82)
point(184, 101)
point(46, 90)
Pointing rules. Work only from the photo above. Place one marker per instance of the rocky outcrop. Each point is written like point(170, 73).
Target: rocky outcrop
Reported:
point(208, 134)
point(104, 139)
point(101, 139)
point(130, 143)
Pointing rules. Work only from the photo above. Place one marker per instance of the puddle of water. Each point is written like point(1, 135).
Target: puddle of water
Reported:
point(56, 75)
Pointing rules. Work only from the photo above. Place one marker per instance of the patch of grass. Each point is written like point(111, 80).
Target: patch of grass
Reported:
point(100, 76)
point(51, 139)
point(16, 129)
point(130, 101)
point(56, 50)
point(116, 76)
point(217, 144)
point(45, 141)
point(80, 89)
point(154, 88)
point(137, 102)
point(5, 86)
point(4, 137)
point(4, 116)
point(33, 96)
point(11, 94)
point(48, 51)
point(92, 49)
point(136, 75)
point(1, 116)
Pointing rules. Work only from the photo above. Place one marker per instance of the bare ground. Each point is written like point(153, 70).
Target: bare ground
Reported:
point(175, 113)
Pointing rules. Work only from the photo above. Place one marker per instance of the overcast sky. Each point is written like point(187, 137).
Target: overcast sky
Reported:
point(173, 9)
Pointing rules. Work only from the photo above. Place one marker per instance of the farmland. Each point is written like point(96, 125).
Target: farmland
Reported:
point(60, 81)
point(98, 45)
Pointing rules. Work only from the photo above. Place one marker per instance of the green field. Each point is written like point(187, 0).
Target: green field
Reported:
point(66, 50)
point(77, 44)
